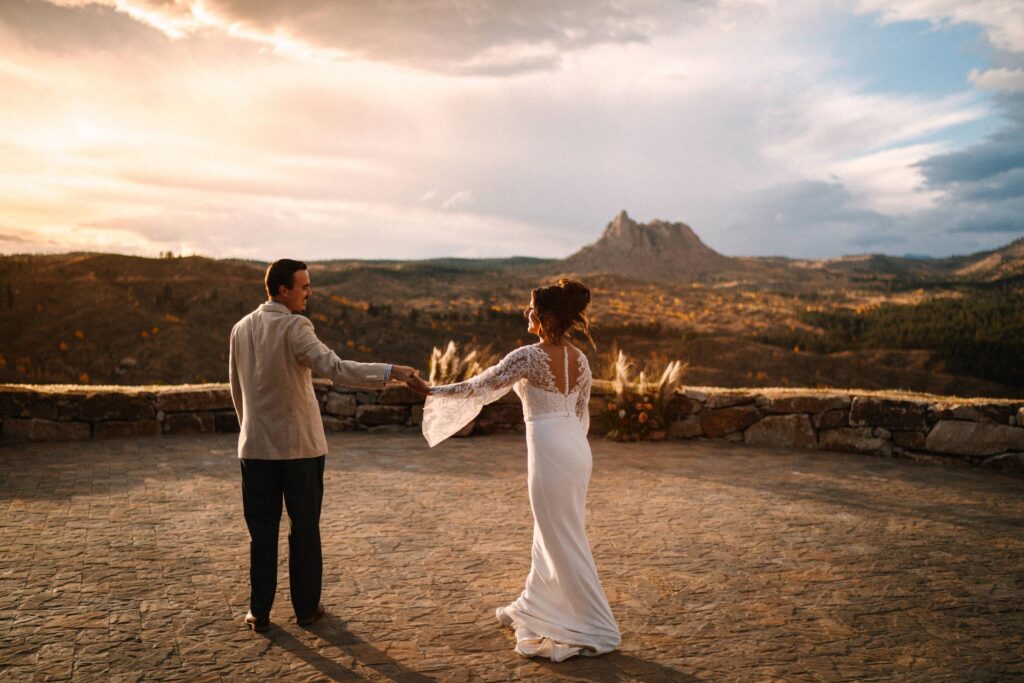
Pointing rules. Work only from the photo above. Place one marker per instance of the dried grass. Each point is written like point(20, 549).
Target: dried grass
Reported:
point(450, 366)
point(623, 381)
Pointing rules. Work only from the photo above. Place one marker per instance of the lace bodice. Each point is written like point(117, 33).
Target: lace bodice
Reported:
point(527, 370)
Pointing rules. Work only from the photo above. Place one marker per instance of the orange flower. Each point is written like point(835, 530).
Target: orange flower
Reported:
point(639, 406)
point(649, 406)
point(642, 417)
point(611, 406)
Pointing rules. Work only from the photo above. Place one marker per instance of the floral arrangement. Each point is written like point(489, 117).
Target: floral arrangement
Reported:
point(639, 409)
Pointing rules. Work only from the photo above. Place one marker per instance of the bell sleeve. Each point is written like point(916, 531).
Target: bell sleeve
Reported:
point(451, 407)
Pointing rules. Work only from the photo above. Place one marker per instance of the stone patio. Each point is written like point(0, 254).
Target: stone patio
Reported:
point(127, 559)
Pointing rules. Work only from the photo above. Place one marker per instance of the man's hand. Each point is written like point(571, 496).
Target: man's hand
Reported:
point(411, 377)
point(403, 373)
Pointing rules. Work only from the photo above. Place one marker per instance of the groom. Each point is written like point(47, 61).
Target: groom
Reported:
point(274, 354)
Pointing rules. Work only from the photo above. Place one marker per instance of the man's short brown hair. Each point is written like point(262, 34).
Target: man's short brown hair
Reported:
point(281, 272)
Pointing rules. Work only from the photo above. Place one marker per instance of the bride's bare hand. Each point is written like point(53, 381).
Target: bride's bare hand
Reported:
point(416, 383)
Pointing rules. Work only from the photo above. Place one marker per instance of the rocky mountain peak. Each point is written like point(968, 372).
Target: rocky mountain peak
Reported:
point(652, 251)
point(619, 225)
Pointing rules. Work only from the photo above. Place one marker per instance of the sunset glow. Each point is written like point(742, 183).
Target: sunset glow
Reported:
point(414, 130)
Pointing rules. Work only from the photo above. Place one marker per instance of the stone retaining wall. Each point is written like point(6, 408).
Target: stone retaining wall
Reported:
point(936, 429)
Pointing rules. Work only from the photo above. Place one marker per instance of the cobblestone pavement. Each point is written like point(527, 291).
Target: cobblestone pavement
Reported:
point(127, 559)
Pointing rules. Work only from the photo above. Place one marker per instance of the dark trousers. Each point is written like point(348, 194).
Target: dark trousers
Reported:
point(301, 484)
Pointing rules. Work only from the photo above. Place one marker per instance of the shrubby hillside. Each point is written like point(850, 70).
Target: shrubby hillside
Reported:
point(951, 326)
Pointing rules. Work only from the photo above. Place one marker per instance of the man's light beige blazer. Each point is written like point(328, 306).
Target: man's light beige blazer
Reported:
point(273, 357)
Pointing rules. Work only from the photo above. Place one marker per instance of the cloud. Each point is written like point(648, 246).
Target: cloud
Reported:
point(450, 36)
point(71, 238)
point(869, 143)
point(982, 186)
point(978, 189)
point(1011, 80)
point(805, 219)
point(984, 183)
point(1001, 153)
point(1007, 185)
point(989, 218)
point(1003, 20)
point(12, 237)
point(458, 199)
point(245, 128)
point(319, 229)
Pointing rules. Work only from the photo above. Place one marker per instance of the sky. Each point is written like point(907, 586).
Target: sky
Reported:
point(409, 129)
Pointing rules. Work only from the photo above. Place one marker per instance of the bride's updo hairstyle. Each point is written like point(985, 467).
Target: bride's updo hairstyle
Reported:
point(560, 308)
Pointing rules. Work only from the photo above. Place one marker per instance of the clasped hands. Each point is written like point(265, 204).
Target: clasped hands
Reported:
point(411, 378)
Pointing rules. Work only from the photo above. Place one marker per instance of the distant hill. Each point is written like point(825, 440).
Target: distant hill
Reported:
point(107, 318)
point(878, 265)
point(648, 251)
point(986, 266)
point(120, 319)
point(997, 264)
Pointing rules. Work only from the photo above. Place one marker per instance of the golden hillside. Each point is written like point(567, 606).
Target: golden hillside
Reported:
point(101, 318)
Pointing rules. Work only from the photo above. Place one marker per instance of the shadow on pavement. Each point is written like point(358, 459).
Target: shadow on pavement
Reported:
point(615, 666)
point(335, 633)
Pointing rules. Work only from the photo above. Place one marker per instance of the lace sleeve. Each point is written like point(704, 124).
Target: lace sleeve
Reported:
point(450, 407)
point(583, 400)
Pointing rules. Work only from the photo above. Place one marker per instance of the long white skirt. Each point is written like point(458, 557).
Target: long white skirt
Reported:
point(562, 611)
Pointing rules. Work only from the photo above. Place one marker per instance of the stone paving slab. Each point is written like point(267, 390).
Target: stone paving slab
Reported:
point(127, 560)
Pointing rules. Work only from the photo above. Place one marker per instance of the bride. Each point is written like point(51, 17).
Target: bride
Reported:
point(562, 611)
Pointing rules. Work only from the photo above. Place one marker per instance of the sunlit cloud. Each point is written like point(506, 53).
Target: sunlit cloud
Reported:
point(412, 129)
point(444, 35)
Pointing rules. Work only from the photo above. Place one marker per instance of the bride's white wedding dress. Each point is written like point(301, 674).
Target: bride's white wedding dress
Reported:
point(562, 611)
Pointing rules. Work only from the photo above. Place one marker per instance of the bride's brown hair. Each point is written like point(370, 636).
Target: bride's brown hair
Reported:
point(562, 305)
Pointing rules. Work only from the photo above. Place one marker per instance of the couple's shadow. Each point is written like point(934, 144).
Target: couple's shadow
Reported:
point(342, 643)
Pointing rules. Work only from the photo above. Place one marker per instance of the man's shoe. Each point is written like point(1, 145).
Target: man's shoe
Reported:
point(258, 624)
point(315, 616)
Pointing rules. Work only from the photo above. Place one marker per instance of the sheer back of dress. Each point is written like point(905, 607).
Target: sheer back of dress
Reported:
point(564, 366)
point(540, 390)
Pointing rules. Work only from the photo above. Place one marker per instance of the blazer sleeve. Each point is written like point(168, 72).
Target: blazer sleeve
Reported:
point(236, 384)
point(318, 357)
